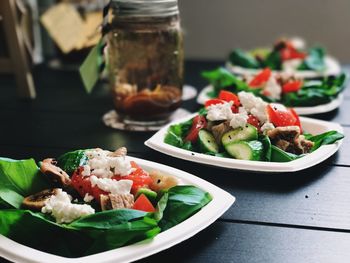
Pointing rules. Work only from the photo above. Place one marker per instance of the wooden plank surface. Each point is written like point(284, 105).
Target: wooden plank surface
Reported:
point(299, 217)
point(243, 243)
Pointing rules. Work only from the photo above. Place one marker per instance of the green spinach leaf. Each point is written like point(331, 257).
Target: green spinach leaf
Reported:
point(70, 161)
point(244, 59)
point(183, 201)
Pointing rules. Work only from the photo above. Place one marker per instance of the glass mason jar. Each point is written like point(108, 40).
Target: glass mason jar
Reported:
point(145, 57)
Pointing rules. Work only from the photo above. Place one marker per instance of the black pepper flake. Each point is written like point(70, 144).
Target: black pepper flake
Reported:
point(192, 154)
point(158, 181)
point(306, 196)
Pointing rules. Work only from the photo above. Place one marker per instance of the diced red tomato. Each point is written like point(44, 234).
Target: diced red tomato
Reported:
point(199, 122)
point(142, 203)
point(290, 52)
point(140, 178)
point(296, 116)
point(229, 96)
point(261, 78)
point(252, 120)
point(82, 185)
point(282, 117)
point(213, 102)
point(292, 86)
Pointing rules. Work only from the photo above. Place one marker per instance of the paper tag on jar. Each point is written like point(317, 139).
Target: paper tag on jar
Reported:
point(64, 25)
point(90, 70)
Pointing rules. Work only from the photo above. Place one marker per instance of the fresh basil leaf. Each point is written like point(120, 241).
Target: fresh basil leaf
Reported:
point(183, 201)
point(267, 147)
point(107, 219)
point(273, 60)
point(161, 205)
point(10, 198)
point(329, 137)
point(21, 176)
point(278, 155)
point(123, 234)
point(314, 60)
point(70, 161)
point(243, 59)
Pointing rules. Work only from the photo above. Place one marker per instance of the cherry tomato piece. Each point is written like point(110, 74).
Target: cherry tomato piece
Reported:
point(229, 96)
point(261, 78)
point(252, 120)
point(142, 203)
point(213, 102)
point(199, 122)
point(292, 86)
point(280, 117)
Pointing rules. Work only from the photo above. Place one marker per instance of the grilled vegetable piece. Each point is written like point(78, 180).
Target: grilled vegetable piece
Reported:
point(116, 201)
point(246, 133)
point(161, 181)
point(55, 173)
point(243, 150)
point(37, 201)
point(207, 142)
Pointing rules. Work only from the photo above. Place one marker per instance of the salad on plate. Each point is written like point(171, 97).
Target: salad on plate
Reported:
point(245, 127)
point(90, 201)
point(289, 55)
point(282, 88)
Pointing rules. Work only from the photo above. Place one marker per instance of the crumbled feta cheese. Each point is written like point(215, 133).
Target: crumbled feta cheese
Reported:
point(88, 198)
point(239, 119)
point(267, 126)
point(61, 208)
point(219, 112)
point(112, 186)
point(253, 105)
point(272, 88)
point(86, 170)
point(291, 65)
point(298, 42)
point(102, 164)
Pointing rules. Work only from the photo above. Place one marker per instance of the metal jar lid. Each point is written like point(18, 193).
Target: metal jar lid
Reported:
point(145, 7)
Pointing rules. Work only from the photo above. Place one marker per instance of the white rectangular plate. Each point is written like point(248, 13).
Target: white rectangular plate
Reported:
point(332, 105)
point(312, 126)
point(222, 201)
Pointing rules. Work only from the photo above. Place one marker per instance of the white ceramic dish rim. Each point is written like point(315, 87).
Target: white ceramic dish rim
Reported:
point(332, 105)
point(156, 142)
point(222, 201)
point(332, 68)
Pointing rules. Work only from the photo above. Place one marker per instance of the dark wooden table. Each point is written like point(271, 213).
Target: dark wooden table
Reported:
point(297, 217)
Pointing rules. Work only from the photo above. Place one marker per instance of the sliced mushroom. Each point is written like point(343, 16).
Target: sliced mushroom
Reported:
point(54, 173)
point(162, 181)
point(37, 201)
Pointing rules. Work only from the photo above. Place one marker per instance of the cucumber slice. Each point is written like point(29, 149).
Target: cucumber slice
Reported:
point(246, 133)
point(207, 142)
point(252, 150)
point(151, 195)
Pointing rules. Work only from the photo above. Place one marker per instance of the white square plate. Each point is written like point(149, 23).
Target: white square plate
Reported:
point(222, 201)
point(332, 105)
point(312, 126)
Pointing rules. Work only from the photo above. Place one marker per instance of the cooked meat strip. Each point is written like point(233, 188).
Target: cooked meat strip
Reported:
point(219, 130)
point(54, 173)
point(283, 144)
point(288, 133)
point(116, 201)
point(289, 139)
point(37, 201)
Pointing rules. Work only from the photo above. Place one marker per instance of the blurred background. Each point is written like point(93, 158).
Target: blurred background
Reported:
point(213, 28)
